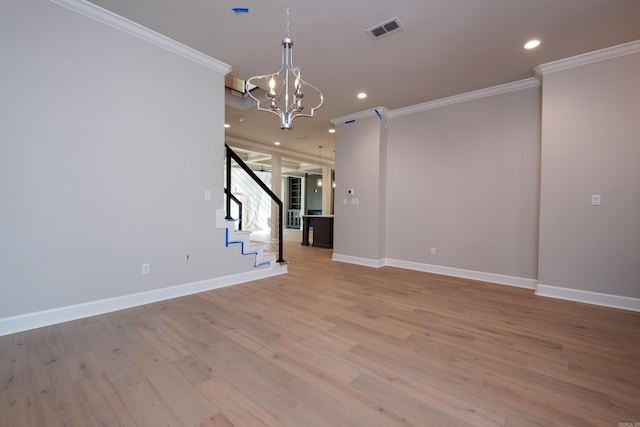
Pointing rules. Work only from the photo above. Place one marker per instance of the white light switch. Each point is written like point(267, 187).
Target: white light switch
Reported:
point(595, 200)
point(207, 195)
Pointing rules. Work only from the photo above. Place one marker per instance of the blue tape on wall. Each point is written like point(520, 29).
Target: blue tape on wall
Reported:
point(241, 9)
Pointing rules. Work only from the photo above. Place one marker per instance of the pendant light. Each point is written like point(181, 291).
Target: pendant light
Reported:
point(286, 87)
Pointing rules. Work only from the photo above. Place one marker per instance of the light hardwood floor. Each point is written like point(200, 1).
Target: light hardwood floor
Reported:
point(331, 344)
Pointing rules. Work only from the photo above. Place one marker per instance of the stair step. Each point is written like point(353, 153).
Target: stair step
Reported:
point(262, 259)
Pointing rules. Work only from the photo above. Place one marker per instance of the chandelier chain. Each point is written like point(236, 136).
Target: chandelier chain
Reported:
point(287, 6)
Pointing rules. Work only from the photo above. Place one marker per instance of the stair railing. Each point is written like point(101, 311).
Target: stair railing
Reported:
point(230, 154)
point(237, 202)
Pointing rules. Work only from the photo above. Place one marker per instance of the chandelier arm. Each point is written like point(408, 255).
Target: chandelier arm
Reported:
point(313, 110)
point(265, 76)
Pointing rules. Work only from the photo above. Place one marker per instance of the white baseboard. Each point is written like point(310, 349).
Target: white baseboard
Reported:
point(519, 282)
point(367, 262)
point(54, 316)
point(500, 279)
point(607, 300)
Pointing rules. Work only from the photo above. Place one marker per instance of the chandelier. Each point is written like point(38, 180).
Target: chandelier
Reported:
point(286, 87)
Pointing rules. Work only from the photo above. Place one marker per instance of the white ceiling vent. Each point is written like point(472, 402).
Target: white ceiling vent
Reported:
point(386, 28)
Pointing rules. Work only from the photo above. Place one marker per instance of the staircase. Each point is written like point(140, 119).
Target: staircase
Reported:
point(261, 259)
point(269, 263)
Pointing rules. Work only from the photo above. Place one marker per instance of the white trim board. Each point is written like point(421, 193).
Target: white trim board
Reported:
point(574, 295)
point(372, 112)
point(24, 322)
point(588, 58)
point(367, 262)
point(468, 96)
point(442, 102)
point(596, 298)
point(143, 33)
point(501, 279)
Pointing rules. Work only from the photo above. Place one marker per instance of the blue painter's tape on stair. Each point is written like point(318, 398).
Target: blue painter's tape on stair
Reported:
point(242, 251)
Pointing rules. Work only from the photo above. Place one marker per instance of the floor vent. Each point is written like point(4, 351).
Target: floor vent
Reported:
point(386, 28)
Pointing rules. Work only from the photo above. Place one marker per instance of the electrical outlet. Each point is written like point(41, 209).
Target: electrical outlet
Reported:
point(433, 251)
point(146, 269)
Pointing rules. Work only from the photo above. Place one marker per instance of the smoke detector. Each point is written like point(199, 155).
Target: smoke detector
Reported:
point(390, 26)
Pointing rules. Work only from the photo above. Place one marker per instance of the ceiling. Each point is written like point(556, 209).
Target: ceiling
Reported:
point(447, 47)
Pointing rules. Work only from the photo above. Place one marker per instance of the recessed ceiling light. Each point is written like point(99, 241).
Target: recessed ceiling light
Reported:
point(362, 95)
point(276, 143)
point(332, 131)
point(227, 125)
point(532, 44)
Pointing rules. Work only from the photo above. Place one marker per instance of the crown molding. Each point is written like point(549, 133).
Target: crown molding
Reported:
point(143, 33)
point(464, 97)
point(469, 96)
point(372, 112)
point(588, 58)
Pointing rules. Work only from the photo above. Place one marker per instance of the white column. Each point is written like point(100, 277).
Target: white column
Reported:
point(326, 190)
point(276, 187)
point(276, 174)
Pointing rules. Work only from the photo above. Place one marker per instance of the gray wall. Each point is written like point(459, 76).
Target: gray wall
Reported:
point(360, 159)
point(591, 146)
point(464, 179)
point(107, 145)
point(501, 185)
